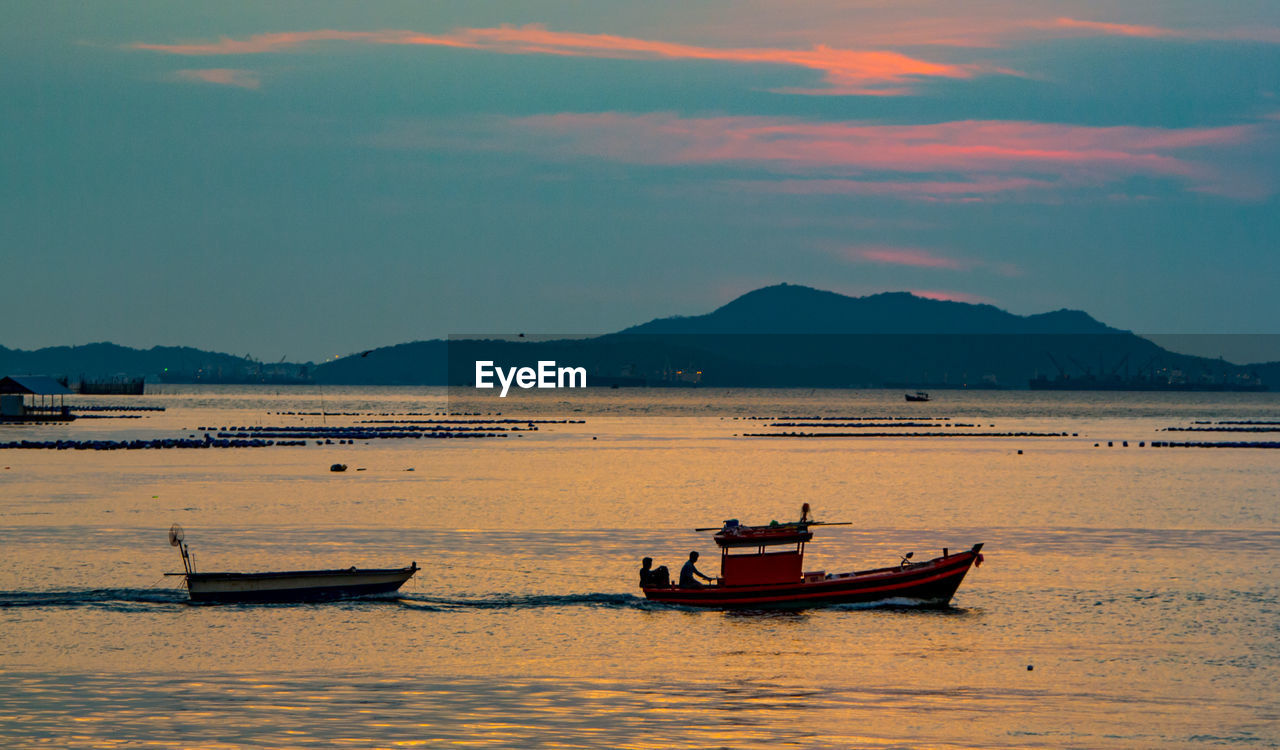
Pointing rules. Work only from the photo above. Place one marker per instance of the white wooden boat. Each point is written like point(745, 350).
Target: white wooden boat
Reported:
point(286, 586)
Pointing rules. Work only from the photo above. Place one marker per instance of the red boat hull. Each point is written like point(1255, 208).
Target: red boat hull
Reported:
point(931, 583)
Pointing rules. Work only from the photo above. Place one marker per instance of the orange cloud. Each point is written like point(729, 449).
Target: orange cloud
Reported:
point(845, 71)
point(245, 79)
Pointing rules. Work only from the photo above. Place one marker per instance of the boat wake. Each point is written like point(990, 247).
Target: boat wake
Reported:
point(153, 599)
point(128, 600)
point(628, 601)
point(903, 603)
point(515, 601)
point(122, 600)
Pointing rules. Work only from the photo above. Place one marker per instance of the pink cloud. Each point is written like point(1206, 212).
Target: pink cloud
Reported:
point(939, 23)
point(1077, 27)
point(962, 145)
point(845, 71)
point(905, 256)
point(949, 296)
point(912, 257)
point(970, 189)
point(975, 158)
point(1099, 27)
point(245, 79)
point(279, 42)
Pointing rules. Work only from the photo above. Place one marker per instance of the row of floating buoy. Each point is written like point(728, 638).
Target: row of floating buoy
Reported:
point(310, 431)
point(530, 422)
point(111, 407)
point(351, 436)
point(207, 442)
point(872, 425)
point(1234, 444)
point(817, 418)
point(384, 413)
point(1181, 444)
point(1222, 429)
point(905, 434)
point(161, 443)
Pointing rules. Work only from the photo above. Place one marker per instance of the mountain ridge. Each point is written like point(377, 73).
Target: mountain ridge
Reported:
point(792, 308)
point(775, 336)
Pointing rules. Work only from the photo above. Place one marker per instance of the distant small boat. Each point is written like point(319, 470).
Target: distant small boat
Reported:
point(286, 586)
point(917, 396)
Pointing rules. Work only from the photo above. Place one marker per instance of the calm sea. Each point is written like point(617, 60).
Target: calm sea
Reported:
point(1130, 596)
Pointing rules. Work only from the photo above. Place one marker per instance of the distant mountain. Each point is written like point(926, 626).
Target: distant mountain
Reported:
point(795, 336)
point(787, 308)
point(777, 336)
point(178, 363)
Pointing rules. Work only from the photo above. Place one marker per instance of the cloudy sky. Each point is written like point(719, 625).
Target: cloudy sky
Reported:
point(308, 179)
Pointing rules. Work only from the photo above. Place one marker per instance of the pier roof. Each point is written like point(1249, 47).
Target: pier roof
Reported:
point(33, 385)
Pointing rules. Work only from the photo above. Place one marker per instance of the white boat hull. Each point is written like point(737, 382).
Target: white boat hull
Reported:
point(298, 585)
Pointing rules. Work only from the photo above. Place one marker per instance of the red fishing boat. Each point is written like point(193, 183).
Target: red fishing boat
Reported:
point(762, 567)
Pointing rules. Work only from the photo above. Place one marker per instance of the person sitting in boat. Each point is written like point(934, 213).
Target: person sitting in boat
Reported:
point(687, 573)
point(651, 576)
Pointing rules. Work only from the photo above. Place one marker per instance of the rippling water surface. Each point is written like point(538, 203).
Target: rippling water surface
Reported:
point(1140, 585)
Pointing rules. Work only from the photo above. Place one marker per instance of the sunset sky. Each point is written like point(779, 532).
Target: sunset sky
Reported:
point(308, 179)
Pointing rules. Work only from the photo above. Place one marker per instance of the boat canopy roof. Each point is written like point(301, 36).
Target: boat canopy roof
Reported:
point(735, 535)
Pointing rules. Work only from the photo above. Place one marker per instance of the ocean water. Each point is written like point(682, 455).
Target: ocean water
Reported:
point(1130, 596)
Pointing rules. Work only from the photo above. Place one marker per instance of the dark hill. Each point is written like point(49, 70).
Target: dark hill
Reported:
point(105, 358)
point(784, 336)
point(777, 336)
point(787, 308)
point(176, 363)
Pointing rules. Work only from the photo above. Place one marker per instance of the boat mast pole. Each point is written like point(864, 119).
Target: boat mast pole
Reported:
point(186, 559)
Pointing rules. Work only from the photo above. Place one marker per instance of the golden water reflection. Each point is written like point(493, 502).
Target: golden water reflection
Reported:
point(1140, 585)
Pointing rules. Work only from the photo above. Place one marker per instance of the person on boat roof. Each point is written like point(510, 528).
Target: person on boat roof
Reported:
point(650, 576)
point(690, 570)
